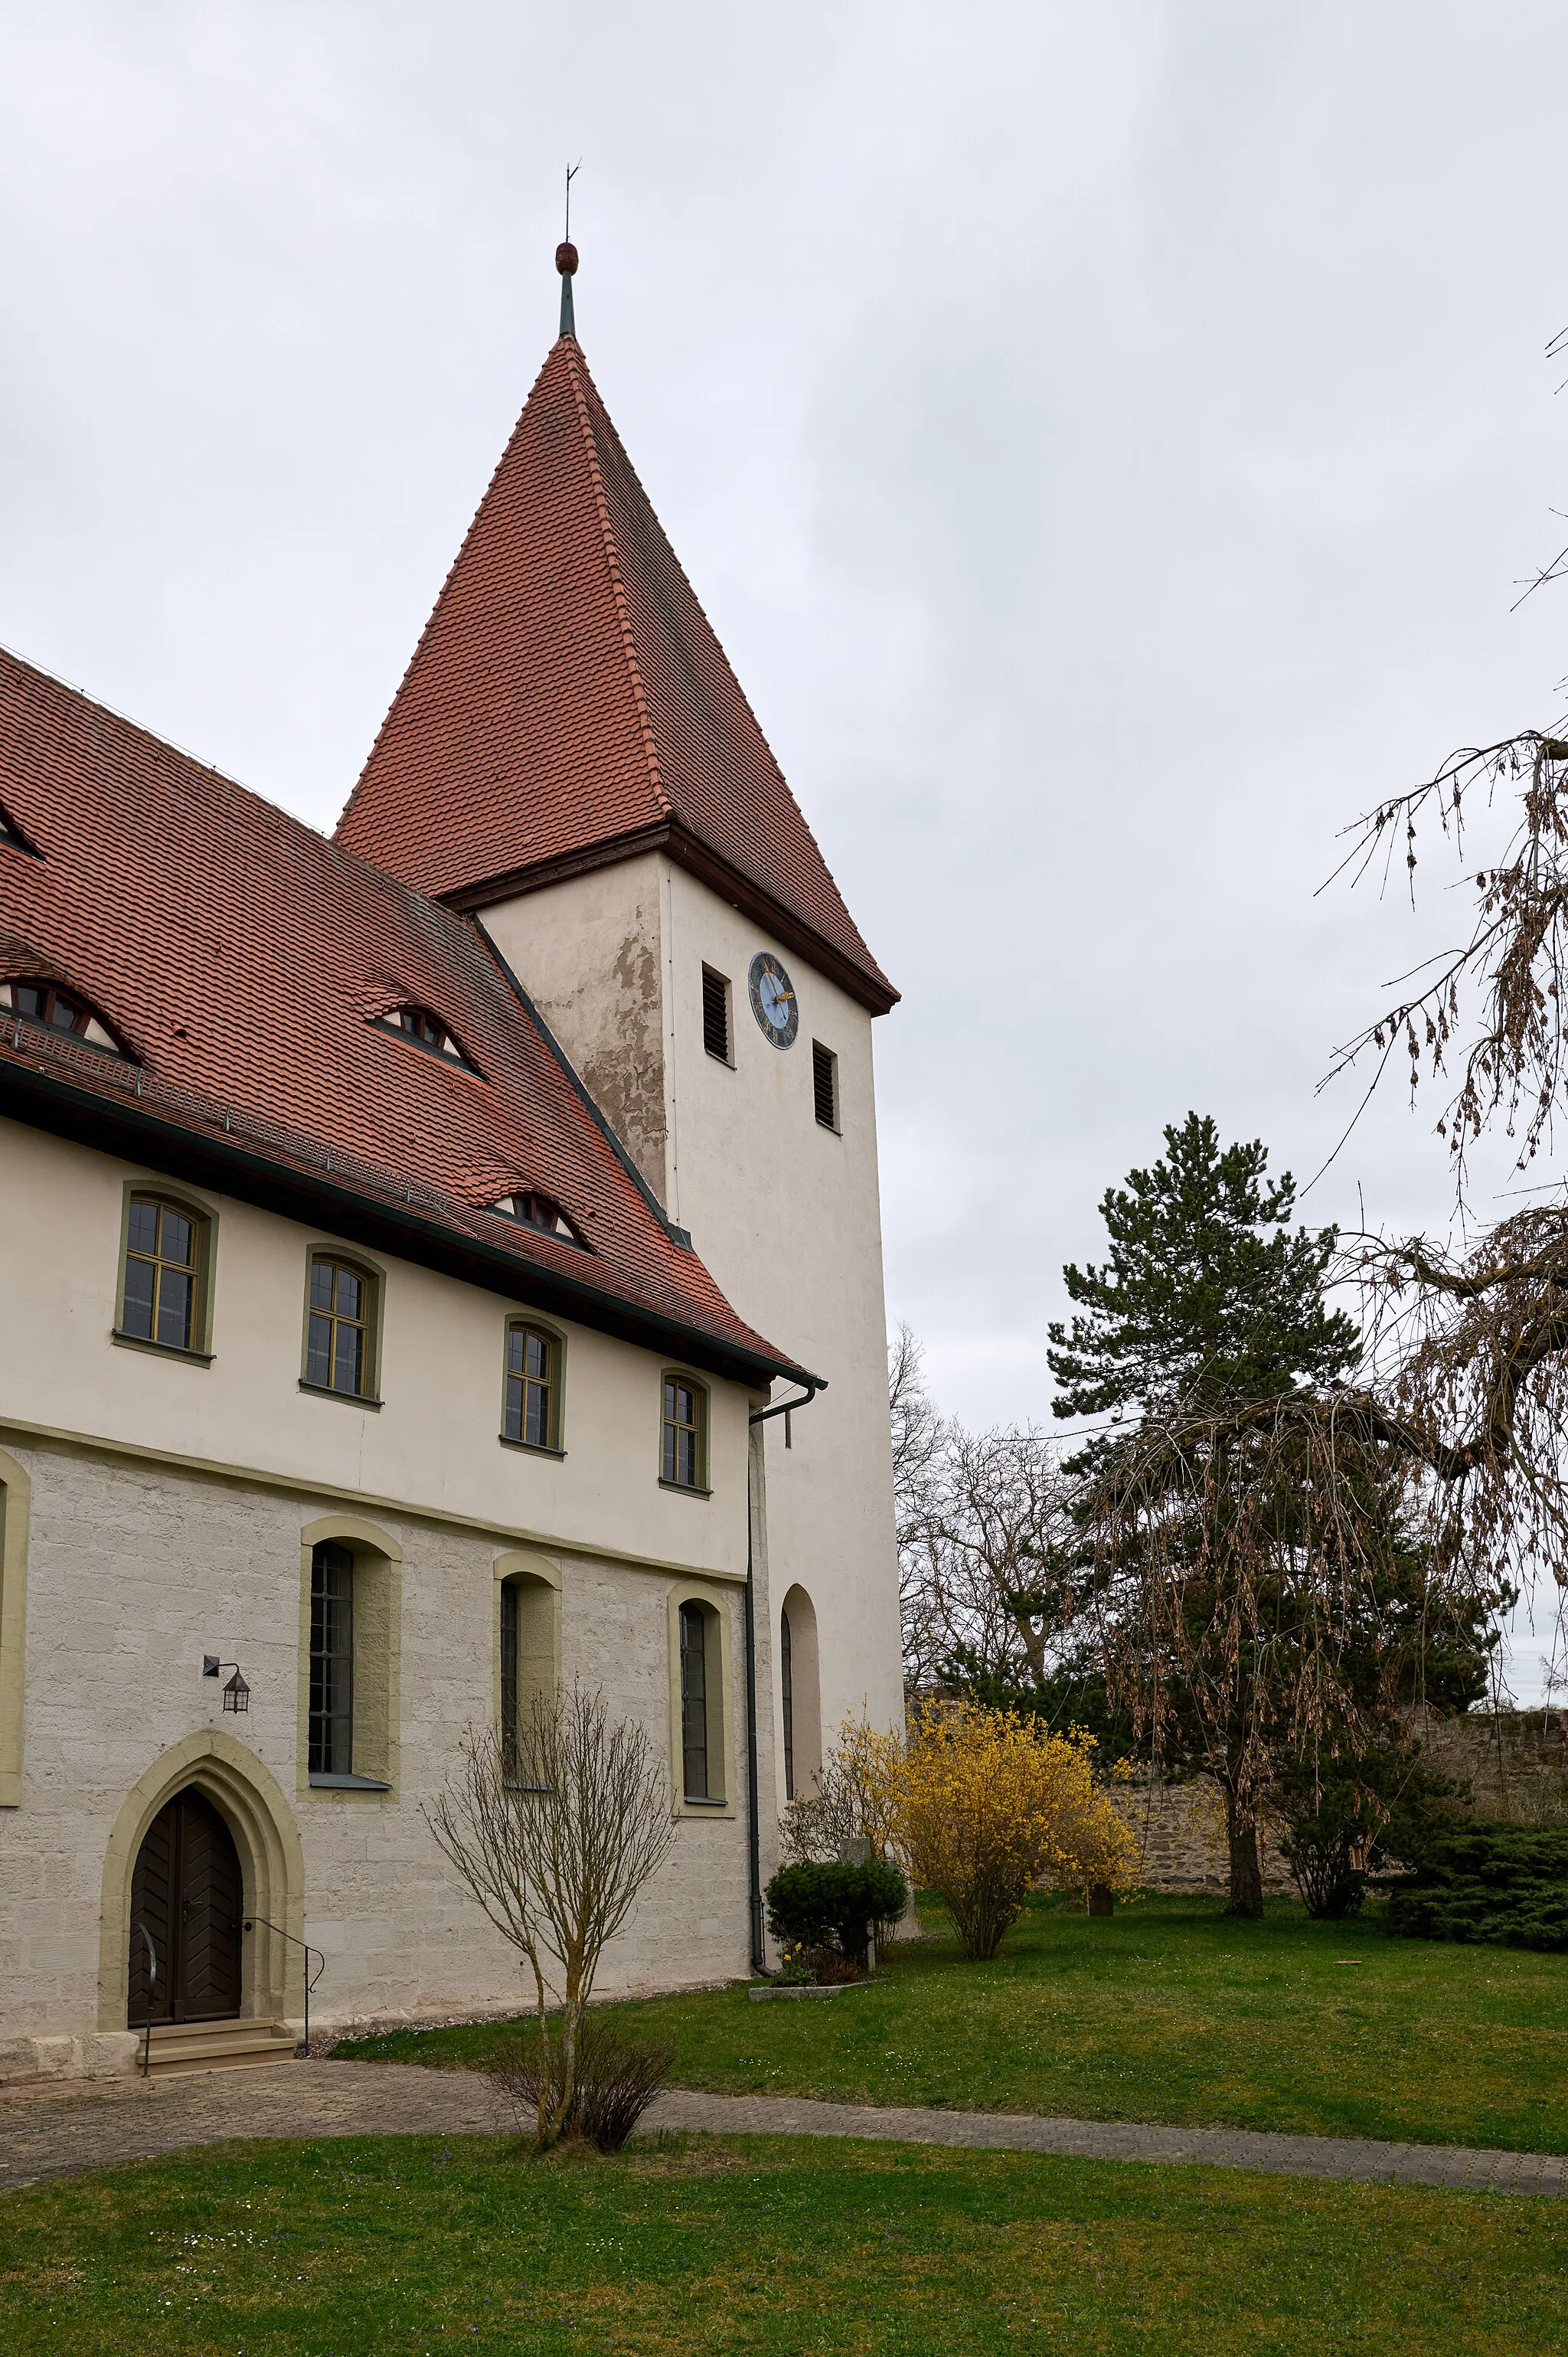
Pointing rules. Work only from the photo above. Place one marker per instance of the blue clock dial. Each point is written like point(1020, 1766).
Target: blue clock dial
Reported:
point(773, 1000)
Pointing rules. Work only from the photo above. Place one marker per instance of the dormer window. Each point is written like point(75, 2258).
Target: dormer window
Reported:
point(427, 1030)
point(535, 1210)
point(54, 1009)
point(11, 834)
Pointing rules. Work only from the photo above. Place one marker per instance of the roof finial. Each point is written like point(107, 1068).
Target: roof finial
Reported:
point(566, 257)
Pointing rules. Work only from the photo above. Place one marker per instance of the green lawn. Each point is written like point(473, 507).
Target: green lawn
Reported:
point(763, 2247)
point(1165, 2012)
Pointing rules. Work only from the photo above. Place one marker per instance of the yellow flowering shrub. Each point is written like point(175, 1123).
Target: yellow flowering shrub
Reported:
point(987, 1803)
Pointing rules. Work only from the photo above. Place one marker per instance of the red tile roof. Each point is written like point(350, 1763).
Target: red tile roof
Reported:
point(242, 958)
point(569, 702)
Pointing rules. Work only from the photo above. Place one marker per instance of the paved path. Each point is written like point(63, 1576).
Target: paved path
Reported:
point(1455, 2167)
point(58, 2131)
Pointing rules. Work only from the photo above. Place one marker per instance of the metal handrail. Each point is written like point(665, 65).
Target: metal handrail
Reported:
point(311, 1977)
point(152, 1984)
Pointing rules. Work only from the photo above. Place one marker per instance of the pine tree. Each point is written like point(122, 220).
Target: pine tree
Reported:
point(1195, 1308)
point(1207, 1302)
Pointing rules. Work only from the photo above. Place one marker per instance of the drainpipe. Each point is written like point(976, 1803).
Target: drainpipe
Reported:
point(754, 1819)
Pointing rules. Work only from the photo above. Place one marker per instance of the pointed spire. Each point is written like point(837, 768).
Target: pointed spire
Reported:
point(566, 264)
point(569, 705)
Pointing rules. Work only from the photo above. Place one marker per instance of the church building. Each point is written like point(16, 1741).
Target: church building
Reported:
point(443, 1259)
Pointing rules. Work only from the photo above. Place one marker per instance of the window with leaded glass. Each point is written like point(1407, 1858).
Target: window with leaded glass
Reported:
point(787, 1671)
point(694, 1701)
point(685, 1406)
point(331, 1660)
point(532, 1387)
point(338, 1355)
point(163, 1249)
point(509, 1681)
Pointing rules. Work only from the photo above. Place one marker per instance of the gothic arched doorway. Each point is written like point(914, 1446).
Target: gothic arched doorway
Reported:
point(187, 1912)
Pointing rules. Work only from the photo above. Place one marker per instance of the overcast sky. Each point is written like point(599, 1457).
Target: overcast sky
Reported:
point(1107, 440)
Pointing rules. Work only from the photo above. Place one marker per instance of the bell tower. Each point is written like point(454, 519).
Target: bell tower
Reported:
point(571, 758)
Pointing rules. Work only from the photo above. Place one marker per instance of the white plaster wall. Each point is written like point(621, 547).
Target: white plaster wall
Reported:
point(787, 1217)
point(435, 1441)
point(786, 1214)
point(135, 1570)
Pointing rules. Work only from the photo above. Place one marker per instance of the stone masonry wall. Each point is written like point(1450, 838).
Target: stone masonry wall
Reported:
point(1516, 1764)
point(1180, 1830)
point(135, 1571)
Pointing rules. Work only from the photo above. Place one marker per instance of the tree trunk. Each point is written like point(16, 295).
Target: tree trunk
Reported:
point(1246, 1874)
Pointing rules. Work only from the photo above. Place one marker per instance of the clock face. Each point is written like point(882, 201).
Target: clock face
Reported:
point(773, 1000)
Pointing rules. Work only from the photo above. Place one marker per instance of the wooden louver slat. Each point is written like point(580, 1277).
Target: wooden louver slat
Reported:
point(715, 1015)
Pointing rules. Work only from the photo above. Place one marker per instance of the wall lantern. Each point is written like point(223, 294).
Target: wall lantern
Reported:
point(236, 1693)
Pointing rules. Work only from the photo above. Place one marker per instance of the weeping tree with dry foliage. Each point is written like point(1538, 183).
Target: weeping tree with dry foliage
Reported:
point(557, 1839)
point(1450, 1438)
point(1474, 1336)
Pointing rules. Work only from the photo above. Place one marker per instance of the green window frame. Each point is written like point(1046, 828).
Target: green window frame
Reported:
point(683, 1433)
point(694, 1683)
point(163, 1296)
point(530, 1395)
point(331, 1660)
point(342, 1310)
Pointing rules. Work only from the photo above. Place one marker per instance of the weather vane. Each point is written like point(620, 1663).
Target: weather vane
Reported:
point(566, 257)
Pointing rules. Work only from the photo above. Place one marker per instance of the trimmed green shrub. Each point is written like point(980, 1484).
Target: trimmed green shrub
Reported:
point(1500, 1883)
point(835, 1907)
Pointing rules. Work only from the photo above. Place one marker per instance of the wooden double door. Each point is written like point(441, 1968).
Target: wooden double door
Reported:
point(187, 1916)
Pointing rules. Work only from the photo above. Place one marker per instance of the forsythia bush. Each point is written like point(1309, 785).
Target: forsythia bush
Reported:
point(987, 1804)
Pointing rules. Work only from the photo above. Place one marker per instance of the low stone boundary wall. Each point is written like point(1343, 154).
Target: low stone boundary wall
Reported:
point(1180, 1832)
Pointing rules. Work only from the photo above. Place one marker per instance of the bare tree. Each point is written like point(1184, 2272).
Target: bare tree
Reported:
point(980, 1518)
point(1005, 1524)
point(920, 1438)
point(557, 1847)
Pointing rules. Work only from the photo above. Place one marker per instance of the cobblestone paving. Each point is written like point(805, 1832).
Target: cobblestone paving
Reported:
point(58, 2131)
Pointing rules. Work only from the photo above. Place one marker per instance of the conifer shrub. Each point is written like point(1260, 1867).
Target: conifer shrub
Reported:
point(832, 1909)
point(1499, 1883)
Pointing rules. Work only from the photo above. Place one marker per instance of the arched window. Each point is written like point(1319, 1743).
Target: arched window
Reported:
point(53, 1009)
point(349, 1670)
point(683, 1439)
point(427, 1030)
point(164, 1274)
point(341, 1327)
point(695, 1747)
point(799, 1693)
point(529, 1668)
point(786, 1677)
point(531, 1209)
point(532, 1410)
point(699, 1701)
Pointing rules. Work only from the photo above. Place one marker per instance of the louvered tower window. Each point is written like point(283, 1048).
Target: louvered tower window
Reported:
point(715, 1015)
point(825, 1084)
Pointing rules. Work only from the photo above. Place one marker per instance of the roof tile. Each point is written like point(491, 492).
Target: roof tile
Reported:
point(569, 693)
point(241, 958)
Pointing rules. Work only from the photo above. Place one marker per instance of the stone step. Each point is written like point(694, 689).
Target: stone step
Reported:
point(176, 2049)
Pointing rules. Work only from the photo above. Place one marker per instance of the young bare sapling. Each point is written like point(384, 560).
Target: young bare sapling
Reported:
point(557, 1836)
